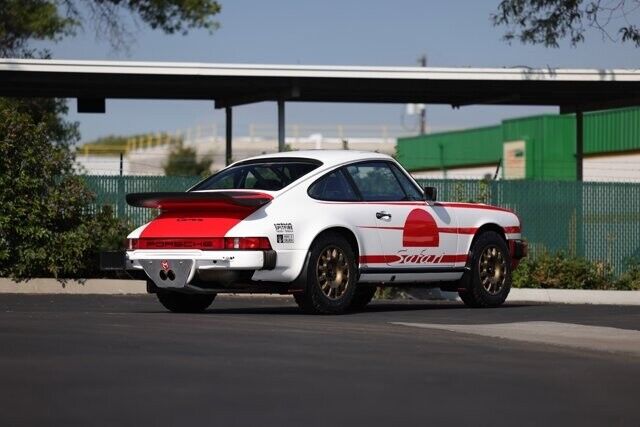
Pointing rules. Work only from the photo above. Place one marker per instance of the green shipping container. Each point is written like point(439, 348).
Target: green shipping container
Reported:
point(458, 148)
point(612, 131)
point(549, 143)
point(549, 156)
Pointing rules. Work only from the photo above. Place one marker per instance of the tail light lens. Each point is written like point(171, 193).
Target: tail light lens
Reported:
point(247, 243)
point(210, 244)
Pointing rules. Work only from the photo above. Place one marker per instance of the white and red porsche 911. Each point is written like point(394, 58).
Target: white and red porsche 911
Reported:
point(325, 226)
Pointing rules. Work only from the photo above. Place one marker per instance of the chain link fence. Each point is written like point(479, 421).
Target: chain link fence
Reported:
point(111, 191)
point(598, 221)
point(595, 220)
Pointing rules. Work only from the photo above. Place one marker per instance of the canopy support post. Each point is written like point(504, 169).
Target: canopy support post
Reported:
point(228, 153)
point(281, 126)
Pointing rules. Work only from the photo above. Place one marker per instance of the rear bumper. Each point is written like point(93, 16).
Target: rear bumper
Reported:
point(203, 260)
point(175, 269)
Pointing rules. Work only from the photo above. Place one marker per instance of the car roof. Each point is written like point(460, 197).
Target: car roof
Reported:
point(327, 157)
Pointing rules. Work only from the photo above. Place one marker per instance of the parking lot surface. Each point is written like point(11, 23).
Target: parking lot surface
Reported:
point(123, 360)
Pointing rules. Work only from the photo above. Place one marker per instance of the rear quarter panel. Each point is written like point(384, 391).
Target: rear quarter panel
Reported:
point(291, 222)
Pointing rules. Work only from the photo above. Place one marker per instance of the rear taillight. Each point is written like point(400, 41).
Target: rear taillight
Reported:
point(210, 244)
point(247, 243)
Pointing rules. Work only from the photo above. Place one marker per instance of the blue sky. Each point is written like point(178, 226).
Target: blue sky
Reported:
point(355, 32)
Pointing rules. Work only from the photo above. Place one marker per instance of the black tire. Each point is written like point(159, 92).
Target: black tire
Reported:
point(312, 299)
point(178, 302)
point(363, 296)
point(488, 282)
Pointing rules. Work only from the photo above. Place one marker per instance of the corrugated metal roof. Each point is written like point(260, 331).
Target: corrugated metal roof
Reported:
point(318, 71)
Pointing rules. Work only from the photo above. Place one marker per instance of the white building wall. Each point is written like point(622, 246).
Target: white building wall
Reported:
point(478, 172)
point(622, 167)
point(150, 161)
point(610, 168)
point(100, 165)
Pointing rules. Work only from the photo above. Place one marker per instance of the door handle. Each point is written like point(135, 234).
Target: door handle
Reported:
point(383, 214)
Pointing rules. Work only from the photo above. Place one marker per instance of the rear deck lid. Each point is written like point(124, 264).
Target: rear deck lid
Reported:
point(197, 214)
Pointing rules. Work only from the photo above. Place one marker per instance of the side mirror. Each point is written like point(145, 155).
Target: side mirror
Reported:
point(430, 194)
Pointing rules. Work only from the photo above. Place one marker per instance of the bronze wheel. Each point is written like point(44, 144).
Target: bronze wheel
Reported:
point(492, 269)
point(488, 281)
point(332, 272)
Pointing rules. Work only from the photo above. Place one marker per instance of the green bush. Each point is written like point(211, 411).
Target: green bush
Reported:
point(562, 271)
point(630, 279)
point(107, 233)
point(45, 228)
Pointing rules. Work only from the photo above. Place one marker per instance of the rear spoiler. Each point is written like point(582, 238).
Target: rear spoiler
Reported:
point(198, 200)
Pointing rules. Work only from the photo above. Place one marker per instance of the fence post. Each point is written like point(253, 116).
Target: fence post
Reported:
point(121, 203)
point(580, 219)
point(493, 193)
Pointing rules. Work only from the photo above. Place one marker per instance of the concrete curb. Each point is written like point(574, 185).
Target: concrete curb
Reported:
point(565, 296)
point(74, 287)
point(89, 287)
point(138, 287)
point(575, 296)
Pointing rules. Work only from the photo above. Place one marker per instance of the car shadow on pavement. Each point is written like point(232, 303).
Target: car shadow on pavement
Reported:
point(373, 308)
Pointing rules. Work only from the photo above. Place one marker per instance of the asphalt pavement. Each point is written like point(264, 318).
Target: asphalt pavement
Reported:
point(123, 360)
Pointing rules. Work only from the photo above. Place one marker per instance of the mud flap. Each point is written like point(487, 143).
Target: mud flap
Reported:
point(113, 261)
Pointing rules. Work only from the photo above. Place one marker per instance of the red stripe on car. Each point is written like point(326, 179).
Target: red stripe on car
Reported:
point(449, 230)
point(472, 206)
point(378, 259)
point(454, 258)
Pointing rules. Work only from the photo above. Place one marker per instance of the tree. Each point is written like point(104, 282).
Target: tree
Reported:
point(183, 161)
point(47, 225)
point(44, 226)
point(546, 22)
point(23, 21)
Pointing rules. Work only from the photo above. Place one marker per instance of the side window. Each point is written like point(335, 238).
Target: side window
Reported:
point(412, 192)
point(376, 182)
point(333, 186)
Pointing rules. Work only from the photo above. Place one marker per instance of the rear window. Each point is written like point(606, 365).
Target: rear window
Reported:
point(258, 175)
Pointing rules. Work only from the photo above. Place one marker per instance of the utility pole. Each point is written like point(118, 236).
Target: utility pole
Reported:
point(422, 60)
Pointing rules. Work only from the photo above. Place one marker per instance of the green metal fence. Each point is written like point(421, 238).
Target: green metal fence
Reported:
point(111, 191)
point(599, 221)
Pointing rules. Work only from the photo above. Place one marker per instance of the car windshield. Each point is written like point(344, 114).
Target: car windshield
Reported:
point(263, 175)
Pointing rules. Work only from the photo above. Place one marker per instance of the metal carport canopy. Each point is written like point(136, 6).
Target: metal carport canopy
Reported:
point(573, 90)
point(235, 84)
